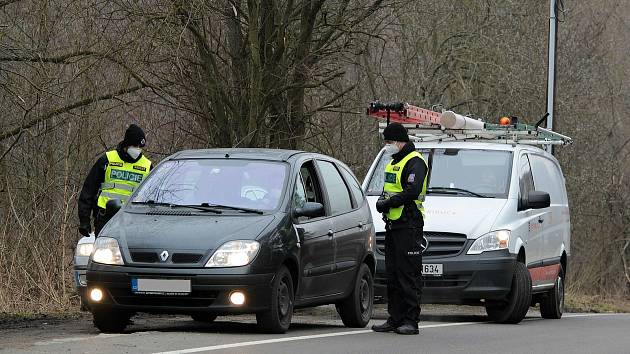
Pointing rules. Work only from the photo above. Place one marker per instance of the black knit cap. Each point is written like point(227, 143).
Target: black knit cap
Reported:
point(134, 136)
point(395, 132)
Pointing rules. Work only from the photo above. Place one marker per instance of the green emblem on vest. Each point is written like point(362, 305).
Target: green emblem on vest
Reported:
point(123, 175)
point(390, 177)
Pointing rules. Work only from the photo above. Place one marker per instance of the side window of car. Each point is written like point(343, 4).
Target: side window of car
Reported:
point(299, 195)
point(526, 181)
point(355, 188)
point(311, 183)
point(547, 178)
point(338, 194)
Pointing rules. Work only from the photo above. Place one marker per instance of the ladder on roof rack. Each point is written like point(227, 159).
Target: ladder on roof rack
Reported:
point(426, 125)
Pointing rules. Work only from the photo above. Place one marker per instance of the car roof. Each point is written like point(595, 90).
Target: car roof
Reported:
point(239, 153)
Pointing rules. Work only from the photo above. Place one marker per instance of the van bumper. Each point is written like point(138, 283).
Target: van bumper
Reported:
point(210, 290)
point(466, 279)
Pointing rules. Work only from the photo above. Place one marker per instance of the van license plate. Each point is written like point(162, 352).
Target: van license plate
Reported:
point(432, 269)
point(160, 286)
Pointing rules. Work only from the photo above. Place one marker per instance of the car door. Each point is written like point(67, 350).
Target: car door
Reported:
point(349, 224)
point(316, 250)
point(531, 217)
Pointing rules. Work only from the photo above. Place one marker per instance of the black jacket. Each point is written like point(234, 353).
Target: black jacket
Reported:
point(89, 193)
point(412, 179)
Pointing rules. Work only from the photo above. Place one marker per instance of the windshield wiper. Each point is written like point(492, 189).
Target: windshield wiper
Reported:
point(171, 205)
point(248, 210)
point(449, 190)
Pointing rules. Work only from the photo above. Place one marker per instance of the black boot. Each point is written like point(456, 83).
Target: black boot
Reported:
point(385, 327)
point(407, 329)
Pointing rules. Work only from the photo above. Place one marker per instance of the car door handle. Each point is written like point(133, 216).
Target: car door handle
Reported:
point(331, 233)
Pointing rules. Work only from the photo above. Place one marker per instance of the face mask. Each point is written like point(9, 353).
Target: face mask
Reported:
point(391, 148)
point(134, 152)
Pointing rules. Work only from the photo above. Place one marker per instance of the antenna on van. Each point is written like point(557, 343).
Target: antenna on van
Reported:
point(427, 125)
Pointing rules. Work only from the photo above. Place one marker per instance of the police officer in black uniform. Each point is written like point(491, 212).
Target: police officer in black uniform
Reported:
point(403, 212)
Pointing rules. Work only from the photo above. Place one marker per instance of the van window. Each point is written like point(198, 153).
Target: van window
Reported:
point(547, 178)
point(526, 181)
point(338, 194)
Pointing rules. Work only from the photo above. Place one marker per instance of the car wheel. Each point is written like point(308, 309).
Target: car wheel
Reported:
point(110, 321)
point(278, 318)
point(515, 307)
point(552, 304)
point(204, 317)
point(356, 309)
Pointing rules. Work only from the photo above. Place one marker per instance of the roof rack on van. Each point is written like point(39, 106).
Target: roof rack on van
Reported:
point(427, 125)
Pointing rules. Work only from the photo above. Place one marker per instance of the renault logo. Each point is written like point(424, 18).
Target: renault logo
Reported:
point(164, 256)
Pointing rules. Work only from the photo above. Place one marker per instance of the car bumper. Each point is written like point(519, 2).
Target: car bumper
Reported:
point(210, 290)
point(466, 279)
point(80, 282)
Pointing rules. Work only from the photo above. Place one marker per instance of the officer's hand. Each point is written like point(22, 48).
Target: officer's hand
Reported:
point(85, 229)
point(382, 205)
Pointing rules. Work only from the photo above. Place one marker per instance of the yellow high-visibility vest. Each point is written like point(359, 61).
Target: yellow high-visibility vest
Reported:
point(121, 178)
point(393, 184)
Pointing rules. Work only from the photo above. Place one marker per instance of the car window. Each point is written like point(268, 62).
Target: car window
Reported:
point(547, 178)
point(311, 183)
point(299, 195)
point(526, 181)
point(232, 182)
point(338, 194)
point(355, 188)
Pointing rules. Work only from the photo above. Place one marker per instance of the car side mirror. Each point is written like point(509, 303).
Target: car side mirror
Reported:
point(538, 200)
point(112, 207)
point(310, 209)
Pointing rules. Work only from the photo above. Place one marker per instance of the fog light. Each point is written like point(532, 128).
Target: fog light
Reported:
point(237, 298)
point(96, 295)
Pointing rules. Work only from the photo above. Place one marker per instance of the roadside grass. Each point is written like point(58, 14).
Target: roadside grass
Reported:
point(596, 304)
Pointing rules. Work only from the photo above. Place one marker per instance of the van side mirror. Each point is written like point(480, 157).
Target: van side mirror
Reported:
point(310, 209)
point(538, 200)
point(112, 207)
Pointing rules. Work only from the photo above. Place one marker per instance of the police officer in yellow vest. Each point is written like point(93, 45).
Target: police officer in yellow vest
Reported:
point(401, 204)
point(114, 176)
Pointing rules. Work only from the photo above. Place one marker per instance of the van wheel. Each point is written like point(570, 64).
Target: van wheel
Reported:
point(552, 304)
point(515, 307)
point(278, 318)
point(356, 309)
point(204, 317)
point(110, 321)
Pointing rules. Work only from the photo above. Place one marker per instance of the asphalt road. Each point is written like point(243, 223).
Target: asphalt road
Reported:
point(323, 333)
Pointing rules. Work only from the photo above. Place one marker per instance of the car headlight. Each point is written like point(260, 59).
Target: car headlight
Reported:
point(106, 251)
point(84, 250)
point(492, 241)
point(234, 254)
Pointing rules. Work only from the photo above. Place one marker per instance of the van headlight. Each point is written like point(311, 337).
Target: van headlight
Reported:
point(492, 241)
point(234, 254)
point(106, 251)
point(84, 250)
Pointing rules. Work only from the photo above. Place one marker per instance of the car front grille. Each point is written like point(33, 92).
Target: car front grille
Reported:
point(449, 280)
point(441, 244)
point(194, 299)
point(176, 258)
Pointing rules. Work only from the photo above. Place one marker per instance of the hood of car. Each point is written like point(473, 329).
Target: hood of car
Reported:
point(198, 232)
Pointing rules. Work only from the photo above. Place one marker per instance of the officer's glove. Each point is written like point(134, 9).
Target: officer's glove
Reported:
point(382, 205)
point(85, 228)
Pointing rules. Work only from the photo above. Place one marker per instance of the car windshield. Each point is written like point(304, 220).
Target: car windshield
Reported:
point(462, 172)
point(250, 184)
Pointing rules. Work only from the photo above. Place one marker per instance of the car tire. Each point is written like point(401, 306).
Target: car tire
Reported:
point(552, 303)
point(356, 310)
point(204, 317)
point(278, 318)
point(514, 308)
point(110, 321)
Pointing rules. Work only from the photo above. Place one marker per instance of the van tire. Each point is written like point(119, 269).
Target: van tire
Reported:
point(356, 310)
point(278, 318)
point(514, 308)
point(552, 303)
point(110, 321)
point(204, 317)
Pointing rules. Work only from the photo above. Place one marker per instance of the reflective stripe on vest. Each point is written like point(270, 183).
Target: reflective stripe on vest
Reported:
point(393, 184)
point(121, 178)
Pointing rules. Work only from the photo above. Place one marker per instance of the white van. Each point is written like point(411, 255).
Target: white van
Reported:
point(497, 227)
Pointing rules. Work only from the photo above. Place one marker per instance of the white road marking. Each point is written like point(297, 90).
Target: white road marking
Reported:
point(292, 339)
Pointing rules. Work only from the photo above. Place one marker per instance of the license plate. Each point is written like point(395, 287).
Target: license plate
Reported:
point(432, 269)
point(160, 286)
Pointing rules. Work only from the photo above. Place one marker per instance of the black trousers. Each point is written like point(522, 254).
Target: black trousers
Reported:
point(403, 261)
